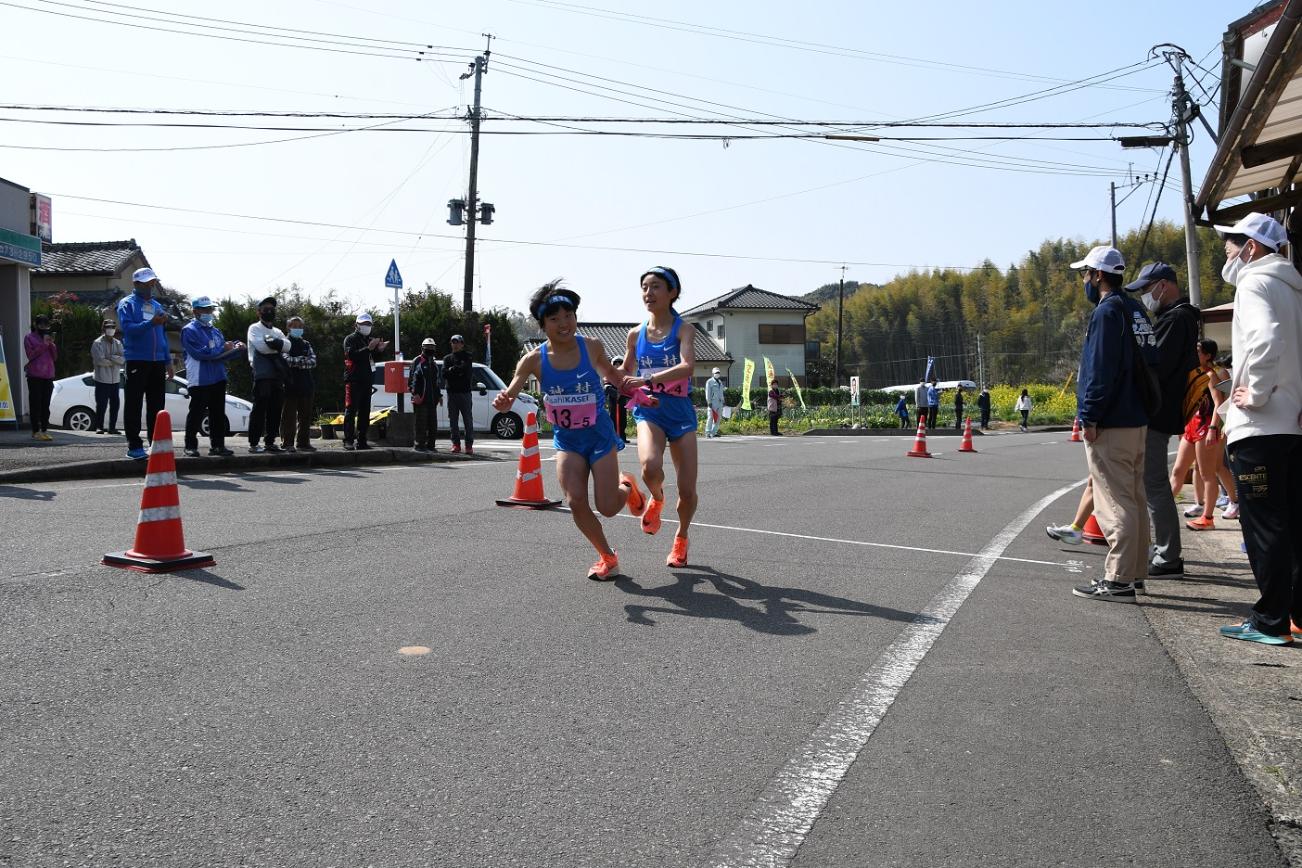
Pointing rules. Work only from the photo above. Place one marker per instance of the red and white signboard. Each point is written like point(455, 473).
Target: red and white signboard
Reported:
point(42, 218)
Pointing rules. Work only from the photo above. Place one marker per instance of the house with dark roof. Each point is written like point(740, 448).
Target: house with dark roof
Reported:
point(97, 272)
point(753, 323)
point(614, 337)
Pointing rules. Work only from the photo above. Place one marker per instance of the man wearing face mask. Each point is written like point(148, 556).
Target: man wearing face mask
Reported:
point(148, 360)
point(106, 362)
point(206, 352)
point(358, 348)
point(296, 418)
point(1263, 423)
point(1108, 400)
point(267, 346)
point(423, 384)
point(1175, 326)
point(41, 352)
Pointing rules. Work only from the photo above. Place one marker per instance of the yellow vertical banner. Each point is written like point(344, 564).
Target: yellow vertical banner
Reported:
point(8, 412)
point(769, 375)
point(745, 384)
point(796, 383)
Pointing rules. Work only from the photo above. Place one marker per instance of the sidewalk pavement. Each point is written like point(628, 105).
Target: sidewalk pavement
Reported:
point(77, 455)
point(1252, 692)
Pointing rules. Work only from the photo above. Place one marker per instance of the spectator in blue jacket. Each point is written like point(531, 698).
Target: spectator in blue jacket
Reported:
point(1115, 422)
point(149, 363)
point(902, 410)
point(206, 352)
point(933, 404)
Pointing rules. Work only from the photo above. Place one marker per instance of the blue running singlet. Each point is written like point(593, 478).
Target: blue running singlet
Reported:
point(675, 416)
point(574, 401)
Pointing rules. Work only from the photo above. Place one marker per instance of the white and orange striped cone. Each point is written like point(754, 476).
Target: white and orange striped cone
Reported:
point(919, 449)
point(1075, 432)
point(967, 437)
point(160, 541)
point(528, 478)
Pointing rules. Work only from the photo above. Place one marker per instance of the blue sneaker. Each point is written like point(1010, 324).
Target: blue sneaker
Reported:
point(139, 453)
point(1249, 633)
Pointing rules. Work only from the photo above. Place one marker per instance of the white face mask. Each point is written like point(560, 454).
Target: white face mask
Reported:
point(1232, 267)
point(1151, 302)
point(364, 329)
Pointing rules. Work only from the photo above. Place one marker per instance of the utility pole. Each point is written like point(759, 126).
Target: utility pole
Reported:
point(1182, 117)
point(478, 68)
point(981, 363)
point(840, 308)
point(1112, 194)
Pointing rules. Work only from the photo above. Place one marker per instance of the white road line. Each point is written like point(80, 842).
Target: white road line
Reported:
point(780, 819)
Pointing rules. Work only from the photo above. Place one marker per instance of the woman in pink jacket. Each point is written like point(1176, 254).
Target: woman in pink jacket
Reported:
point(38, 345)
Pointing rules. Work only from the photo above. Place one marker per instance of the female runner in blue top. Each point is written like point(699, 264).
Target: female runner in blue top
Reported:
point(571, 369)
point(662, 350)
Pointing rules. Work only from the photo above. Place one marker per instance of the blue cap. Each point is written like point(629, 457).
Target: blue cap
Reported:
point(202, 301)
point(1152, 273)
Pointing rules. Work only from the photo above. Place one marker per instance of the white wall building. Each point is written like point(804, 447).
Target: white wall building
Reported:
point(750, 323)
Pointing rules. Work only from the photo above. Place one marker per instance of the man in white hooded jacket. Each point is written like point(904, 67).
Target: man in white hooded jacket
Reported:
point(1263, 423)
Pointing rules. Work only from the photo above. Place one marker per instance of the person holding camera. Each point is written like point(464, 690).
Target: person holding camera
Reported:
point(148, 359)
point(267, 348)
point(358, 348)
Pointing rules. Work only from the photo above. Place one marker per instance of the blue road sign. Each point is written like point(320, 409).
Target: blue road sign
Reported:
point(393, 279)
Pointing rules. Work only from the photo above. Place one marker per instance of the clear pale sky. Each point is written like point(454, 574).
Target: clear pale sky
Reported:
point(752, 204)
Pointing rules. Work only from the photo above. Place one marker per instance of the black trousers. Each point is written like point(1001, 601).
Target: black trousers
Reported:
point(459, 404)
point(426, 419)
point(773, 424)
point(106, 398)
point(985, 419)
point(39, 391)
point(1268, 474)
point(357, 410)
point(264, 418)
point(207, 401)
point(146, 384)
point(931, 416)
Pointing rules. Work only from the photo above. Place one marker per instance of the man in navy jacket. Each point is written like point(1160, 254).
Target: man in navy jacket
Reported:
point(1115, 422)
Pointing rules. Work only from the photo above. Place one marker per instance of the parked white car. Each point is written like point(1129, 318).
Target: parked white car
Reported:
point(504, 426)
point(73, 405)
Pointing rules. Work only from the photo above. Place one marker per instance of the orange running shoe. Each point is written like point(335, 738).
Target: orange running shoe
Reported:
point(636, 502)
point(678, 554)
point(1201, 523)
point(651, 517)
point(605, 569)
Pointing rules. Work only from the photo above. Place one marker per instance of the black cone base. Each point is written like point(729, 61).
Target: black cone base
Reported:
point(528, 504)
point(152, 565)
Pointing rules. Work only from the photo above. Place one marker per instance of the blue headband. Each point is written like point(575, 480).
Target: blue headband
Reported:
point(541, 308)
point(669, 276)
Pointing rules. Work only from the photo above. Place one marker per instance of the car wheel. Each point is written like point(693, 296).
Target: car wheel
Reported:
point(79, 419)
point(507, 426)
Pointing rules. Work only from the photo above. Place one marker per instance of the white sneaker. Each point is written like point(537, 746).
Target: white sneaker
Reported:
point(1193, 511)
point(1231, 511)
point(1066, 534)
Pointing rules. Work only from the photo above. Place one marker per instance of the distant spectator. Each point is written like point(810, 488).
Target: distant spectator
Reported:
point(1023, 406)
point(713, 403)
point(423, 384)
point(983, 404)
point(958, 408)
point(1261, 423)
point(107, 359)
point(206, 352)
point(616, 403)
point(296, 417)
point(775, 409)
point(148, 360)
point(920, 401)
point(267, 346)
point(358, 348)
point(933, 404)
point(458, 378)
point(1119, 342)
point(41, 352)
point(902, 410)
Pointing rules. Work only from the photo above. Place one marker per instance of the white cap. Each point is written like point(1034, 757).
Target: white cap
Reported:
point(143, 275)
point(364, 317)
point(428, 342)
point(716, 371)
point(1259, 227)
point(457, 339)
point(1105, 259)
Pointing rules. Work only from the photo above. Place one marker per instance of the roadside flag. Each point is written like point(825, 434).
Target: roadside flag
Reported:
point(796, 383)
point(745, 384)
point(931, 363)
point(8, 413)
point(769, 376)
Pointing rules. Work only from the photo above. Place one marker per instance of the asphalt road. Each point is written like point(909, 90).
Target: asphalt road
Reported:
point(871, 660)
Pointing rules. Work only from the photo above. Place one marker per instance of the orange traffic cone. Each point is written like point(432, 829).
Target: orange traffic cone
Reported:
point(967, 437)
point(919, 449)
point(528, 479)
point(160, 542)
point(1092, 533)
point(1075, 432)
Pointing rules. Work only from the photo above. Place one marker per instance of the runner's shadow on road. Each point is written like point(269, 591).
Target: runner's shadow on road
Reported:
point(26, 493)
point(214, 485)
point(208, 577)
point(774, 611)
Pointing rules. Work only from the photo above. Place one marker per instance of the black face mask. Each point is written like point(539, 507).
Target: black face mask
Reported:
point(42, 332)
point(267, 316)
point(428, 352)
